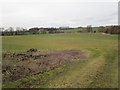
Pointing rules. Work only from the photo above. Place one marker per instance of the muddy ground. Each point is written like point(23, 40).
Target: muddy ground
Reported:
point(16, 65)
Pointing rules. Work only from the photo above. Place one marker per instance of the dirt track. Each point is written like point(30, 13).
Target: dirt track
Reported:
point(21, 64)
point(64, 69)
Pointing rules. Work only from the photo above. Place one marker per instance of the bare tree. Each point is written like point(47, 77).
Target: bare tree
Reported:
point(11, 30)
point(89, 28)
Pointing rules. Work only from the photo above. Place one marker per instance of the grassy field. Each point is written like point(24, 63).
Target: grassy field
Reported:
point(72, 30)
point(99, 70)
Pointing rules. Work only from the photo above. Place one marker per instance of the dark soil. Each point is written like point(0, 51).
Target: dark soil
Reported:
point(16, 65)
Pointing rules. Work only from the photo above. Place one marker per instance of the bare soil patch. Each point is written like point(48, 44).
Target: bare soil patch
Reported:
point(16, 65)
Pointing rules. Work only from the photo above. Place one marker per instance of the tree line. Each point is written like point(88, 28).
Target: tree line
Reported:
point(89, 29)
point(21, 31)
point(102, 29)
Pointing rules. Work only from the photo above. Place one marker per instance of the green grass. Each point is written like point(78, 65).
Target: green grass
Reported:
point(71, 30)
point(96, 71)
point(58, 41)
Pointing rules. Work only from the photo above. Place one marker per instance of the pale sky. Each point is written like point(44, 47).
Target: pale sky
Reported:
point(55, 13)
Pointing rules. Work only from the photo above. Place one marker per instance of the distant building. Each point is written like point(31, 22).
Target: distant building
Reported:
point(2, 29)
point(64, 28)
point(41, 29)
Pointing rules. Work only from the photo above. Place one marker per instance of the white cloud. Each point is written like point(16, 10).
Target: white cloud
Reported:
point(59, 0)
point(57, 13)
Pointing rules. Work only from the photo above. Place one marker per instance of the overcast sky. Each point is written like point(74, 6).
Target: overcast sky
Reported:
point(55, 13)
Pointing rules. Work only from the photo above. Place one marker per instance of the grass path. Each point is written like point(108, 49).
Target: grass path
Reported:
point(98, 72)
point(79, 78)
